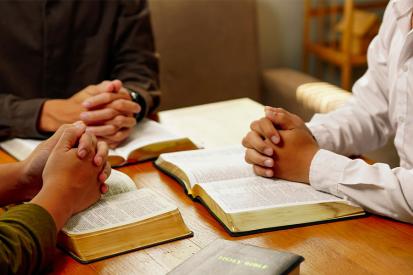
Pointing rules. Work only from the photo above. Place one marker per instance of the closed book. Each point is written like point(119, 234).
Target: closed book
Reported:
point(228, 257)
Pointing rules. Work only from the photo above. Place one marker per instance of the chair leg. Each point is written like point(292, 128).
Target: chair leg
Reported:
point(346, 77)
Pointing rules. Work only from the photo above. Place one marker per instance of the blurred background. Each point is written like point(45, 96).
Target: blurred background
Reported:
point(212, 50)
point(302, 55)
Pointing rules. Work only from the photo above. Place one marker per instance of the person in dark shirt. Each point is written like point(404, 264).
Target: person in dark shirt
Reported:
point(63, 61)
point(56, 171)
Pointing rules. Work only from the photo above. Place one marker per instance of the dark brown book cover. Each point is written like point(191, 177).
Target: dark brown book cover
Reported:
point(228, 257)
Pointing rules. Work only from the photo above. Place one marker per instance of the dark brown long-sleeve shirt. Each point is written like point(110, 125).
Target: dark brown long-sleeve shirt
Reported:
point(53, 49)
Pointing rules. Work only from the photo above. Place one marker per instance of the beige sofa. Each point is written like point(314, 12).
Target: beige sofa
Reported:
point(279, 89)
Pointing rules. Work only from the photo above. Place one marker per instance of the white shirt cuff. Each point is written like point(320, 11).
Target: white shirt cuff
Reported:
point(321, 135)
point(327, 170)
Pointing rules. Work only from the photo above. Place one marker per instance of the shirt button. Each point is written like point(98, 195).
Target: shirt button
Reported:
point(401, 119)
point(405, 68)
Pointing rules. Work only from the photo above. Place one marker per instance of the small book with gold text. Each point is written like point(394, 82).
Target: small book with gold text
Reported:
point(229, 257)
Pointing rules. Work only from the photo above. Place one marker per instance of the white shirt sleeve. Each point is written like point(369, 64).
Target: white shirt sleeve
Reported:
point(362, 125)
point(377, 188)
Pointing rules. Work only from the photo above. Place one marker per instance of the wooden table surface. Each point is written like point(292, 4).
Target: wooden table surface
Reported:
point(368, 245)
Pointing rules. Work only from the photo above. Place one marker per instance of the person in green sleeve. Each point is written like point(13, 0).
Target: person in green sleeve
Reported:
point(63, 176)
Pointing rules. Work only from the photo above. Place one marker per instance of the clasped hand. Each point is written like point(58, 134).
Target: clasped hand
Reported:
point(280, 145)
point(106, 109)
point(69, 169)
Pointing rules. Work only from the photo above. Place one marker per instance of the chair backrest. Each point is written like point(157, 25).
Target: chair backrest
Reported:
point(208, 50)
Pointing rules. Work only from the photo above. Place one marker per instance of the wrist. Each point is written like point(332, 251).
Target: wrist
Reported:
point(16, 190)
point(48, 121)
point(56, 112)
point(19, 170)
point(310, 158)
point(54, 202)
point(30, 181)
point(139, 99)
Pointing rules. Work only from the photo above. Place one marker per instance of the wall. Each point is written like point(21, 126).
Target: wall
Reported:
point(280, 25)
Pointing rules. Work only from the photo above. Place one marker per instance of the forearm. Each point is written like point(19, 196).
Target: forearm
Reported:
point(377, 188)
point(11, 190)
point(352, 129)
point(363, 124)
point(56, 112)
point(27, 240)
point(51, 201)
point(135, 62)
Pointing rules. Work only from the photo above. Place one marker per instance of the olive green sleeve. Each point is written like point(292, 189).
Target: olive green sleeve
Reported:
point(27, 239)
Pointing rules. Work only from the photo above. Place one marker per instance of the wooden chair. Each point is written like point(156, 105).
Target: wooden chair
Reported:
point(335, 41)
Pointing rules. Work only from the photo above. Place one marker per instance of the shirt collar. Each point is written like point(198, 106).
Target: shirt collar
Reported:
point(402, 7)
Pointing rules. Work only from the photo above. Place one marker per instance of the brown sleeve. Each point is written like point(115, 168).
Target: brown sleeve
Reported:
point(27, 239)
point(134, 59)
point(18, 117)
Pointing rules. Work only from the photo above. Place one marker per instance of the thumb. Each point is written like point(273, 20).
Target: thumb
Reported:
point(70, 136)
point(281, 118)
point(51, 141)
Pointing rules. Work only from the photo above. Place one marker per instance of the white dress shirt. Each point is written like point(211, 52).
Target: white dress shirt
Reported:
point(382, 106)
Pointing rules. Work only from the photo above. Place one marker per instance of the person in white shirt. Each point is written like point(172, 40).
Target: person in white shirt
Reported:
point(281, 145)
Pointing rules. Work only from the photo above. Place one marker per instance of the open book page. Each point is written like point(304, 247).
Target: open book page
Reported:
point(119, 182)
point(257, 193)
point(118, 210)
point(208, 165)
point(214, 125)
point(145, 133)
point(20, 148)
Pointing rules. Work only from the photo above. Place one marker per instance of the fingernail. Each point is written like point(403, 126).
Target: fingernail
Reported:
point(82, 153)
point(268, 163)
point(268, 151)
point(79, 124)
point(270, 113)
point(84, 115)
point(86, 103)
point(269, 173)
point(104, 189)
point(98, 161)
point(275, 139)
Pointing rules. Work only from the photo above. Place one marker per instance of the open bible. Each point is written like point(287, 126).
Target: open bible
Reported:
point(125, 219)
point(243, 202)
point(147, 141)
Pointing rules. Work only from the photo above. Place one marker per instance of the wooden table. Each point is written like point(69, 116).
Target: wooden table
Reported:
point(368, 245)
